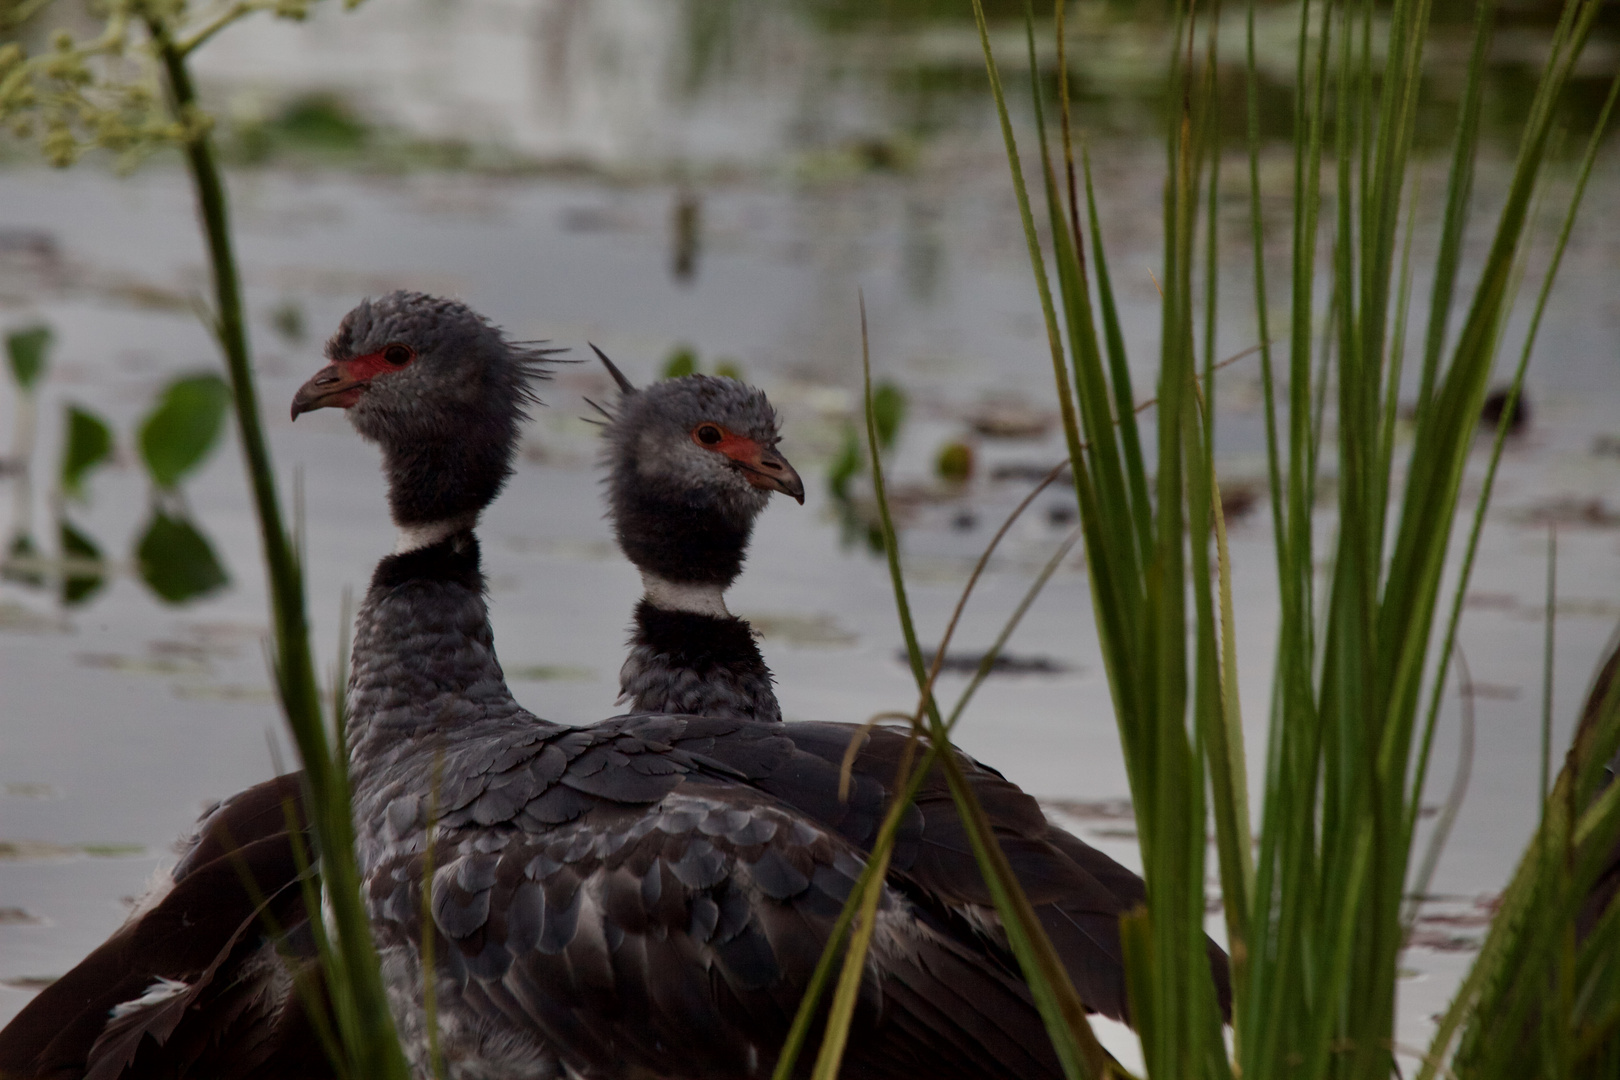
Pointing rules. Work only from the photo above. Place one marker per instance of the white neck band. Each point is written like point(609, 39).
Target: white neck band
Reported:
point(679, 596)
point(416, 537)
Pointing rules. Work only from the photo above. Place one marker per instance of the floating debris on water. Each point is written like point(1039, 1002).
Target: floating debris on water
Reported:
point(808, 631)
point(1004, 664)
point(18, 618)
point(1572, 510)
point(1027, 471)
point(148, 665)
point(27, 789)
point(1010, 420)
point(16, 916)
point(1496, 691)
point(1092, 809)
point(550, 673)
point(38, 850)
point(1240, 497)
point(1606, 446)
point(240, 693)
point(1496, 404)
point(1438, 924)
point(582, 550)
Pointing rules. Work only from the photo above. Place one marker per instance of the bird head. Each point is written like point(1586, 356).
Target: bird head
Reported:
point(439, 388)
point(691, 463)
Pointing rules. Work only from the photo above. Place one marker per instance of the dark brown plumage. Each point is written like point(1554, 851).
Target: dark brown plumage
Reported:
point(206, 954)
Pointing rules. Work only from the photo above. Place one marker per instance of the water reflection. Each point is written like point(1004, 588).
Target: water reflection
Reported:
point(173, 556)
point(711, 85)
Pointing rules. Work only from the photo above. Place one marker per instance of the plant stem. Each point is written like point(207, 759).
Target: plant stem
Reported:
point(354, 977)
point(299, 688)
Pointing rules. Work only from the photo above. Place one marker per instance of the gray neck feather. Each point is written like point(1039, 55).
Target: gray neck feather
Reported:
point(424, 668)
point(696, 663)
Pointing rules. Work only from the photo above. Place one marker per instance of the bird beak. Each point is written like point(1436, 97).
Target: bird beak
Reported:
point(334, 386)
point(768, 469)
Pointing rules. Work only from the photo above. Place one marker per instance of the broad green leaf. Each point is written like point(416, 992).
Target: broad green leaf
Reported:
point(79, 583)
point(682, 361)
point(88, 443)
point(181, 431)
point(26, 351)
point(729, 369)
point(177, 561)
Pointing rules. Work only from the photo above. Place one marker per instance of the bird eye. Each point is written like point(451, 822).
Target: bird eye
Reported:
point(398, 355)
point(707, 434)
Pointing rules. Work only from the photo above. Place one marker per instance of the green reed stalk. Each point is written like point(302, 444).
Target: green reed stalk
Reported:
point(1319, 922)
point(354, 979)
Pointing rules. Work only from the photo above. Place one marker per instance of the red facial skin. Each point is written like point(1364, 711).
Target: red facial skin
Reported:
point(762, 466)
point(340, 384)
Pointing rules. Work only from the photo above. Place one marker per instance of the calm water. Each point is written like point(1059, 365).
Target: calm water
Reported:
point(120, 719)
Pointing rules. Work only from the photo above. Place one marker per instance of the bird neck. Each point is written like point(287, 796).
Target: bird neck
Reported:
point(429, 533)
point(695, 597)
point(696, 662)
point(423, 661)
point(675, 537)
point(450, 477)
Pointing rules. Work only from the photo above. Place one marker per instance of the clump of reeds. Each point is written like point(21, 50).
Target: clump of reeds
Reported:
point(1316, 900)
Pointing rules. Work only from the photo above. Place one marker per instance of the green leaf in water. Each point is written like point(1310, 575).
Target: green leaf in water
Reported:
point(848, 462)
point(955, 462)
point(88, 444)
point(181, 431)
point(888, 411)
point(177, 561)
point(22, 550)
point(79, 581)
point(26, 351)
point(682, 361)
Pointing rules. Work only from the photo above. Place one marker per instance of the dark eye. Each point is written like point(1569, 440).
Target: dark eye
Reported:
point(708, 434)
point(398, 355)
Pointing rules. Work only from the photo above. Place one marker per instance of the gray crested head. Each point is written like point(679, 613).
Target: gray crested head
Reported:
point(440, 389)
point(691, 463)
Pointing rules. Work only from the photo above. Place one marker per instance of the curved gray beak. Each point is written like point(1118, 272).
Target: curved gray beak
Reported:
point(771, 470)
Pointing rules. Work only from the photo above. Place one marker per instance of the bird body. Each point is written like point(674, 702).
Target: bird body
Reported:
point(644, 897)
